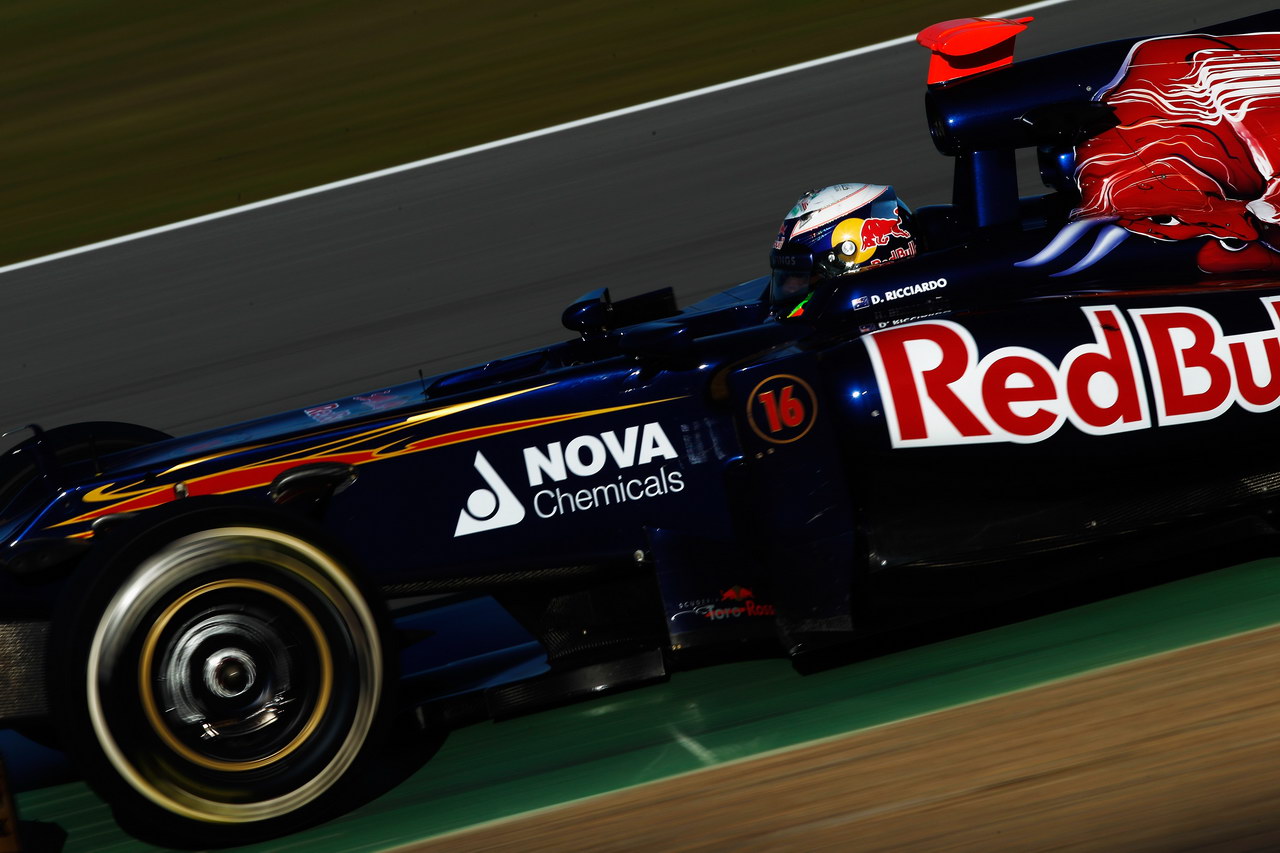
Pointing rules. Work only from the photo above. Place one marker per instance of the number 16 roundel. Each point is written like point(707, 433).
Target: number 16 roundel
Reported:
point(782, 408)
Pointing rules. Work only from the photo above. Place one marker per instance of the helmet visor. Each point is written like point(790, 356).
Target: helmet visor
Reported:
point(793, 275)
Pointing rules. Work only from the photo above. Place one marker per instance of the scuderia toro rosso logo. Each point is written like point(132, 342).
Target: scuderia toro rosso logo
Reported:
point(938, 391)
point(595, 470)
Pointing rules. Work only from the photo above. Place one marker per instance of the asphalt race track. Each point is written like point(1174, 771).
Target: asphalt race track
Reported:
point(343, 292)
point(433, 269)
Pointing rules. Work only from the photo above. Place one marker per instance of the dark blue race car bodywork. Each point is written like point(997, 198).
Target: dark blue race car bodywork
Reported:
point(575, 518)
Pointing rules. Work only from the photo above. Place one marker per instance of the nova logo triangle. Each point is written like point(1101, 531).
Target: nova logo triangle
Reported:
point(491, 508)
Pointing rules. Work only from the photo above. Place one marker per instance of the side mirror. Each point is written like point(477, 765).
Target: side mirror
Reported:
point(589, 312)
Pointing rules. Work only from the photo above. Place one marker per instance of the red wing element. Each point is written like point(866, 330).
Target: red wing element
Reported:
point(968, 46)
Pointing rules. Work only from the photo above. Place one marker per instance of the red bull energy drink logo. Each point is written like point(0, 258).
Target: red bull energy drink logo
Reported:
point(876, 232)
point(856, 239)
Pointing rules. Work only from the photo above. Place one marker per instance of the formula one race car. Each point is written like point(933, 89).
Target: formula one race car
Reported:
point(220, 627)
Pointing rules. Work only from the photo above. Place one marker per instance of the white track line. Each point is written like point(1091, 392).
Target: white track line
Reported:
point(410, 846)
point(489, 146)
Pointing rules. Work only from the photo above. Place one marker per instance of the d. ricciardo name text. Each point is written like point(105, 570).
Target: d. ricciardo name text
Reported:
point(909, 290)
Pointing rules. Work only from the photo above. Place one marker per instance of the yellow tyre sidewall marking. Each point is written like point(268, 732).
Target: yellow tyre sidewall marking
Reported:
point(319, 570)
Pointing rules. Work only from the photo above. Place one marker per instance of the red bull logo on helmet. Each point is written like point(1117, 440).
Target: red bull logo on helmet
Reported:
point(857, 239)
point(876, 232)
point(845, 227)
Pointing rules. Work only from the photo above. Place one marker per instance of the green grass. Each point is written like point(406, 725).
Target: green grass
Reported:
point(123, 116)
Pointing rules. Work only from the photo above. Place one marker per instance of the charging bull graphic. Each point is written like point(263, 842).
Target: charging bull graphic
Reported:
point(876, 232)
point(1195, 154)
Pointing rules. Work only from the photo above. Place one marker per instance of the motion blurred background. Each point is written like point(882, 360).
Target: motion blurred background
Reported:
point(124, 116)
point(127, 116)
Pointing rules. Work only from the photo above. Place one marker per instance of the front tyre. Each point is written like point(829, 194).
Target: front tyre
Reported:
point(228, 677)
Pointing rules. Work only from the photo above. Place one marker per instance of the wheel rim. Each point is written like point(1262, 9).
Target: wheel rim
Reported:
point(175, 703)
point(235, 675)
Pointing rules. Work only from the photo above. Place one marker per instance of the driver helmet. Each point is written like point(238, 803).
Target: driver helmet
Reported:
point(835, 231)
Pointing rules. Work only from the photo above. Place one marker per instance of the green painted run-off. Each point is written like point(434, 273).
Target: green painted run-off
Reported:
point(737, 710)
